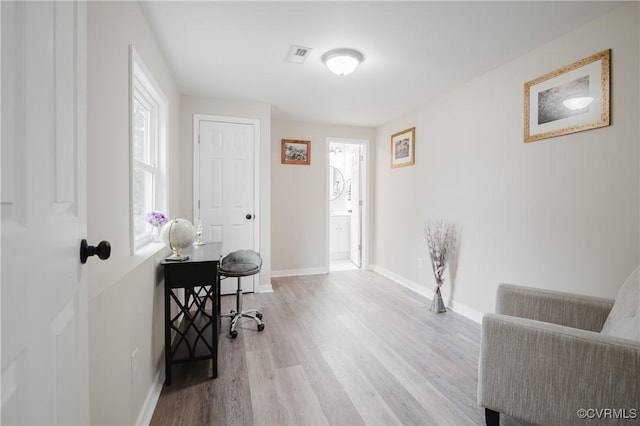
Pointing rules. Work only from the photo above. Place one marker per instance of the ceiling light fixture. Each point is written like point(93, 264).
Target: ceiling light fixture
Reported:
point(342, 61)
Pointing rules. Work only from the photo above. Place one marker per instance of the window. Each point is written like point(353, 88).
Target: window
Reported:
point(148, 122)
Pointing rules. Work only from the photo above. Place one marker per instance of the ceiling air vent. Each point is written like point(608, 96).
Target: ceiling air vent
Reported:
point(298, 54)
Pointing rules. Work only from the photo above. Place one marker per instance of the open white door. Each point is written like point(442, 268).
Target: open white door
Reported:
point(44, 286)
point(356, 213)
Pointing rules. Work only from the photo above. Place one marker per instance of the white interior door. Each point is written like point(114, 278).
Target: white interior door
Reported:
point(225, 188)
point(44, 286)
point(356, 214)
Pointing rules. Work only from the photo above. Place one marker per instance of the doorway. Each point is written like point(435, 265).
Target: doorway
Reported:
point(346, 199)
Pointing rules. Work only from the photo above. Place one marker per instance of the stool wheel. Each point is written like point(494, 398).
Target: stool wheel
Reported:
point(260, 327)
point(234, 334)
point(259, 315)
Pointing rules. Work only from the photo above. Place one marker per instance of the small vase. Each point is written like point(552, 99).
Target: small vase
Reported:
point(437, 305)
point(156, 234)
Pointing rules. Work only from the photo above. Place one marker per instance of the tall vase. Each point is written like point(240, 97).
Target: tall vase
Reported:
point(437, 304)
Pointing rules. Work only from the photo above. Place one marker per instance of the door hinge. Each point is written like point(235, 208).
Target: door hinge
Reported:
point(360, 203)
point(198, 204)
point(362, 158)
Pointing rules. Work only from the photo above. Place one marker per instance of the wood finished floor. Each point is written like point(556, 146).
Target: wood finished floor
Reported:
point(347, 348)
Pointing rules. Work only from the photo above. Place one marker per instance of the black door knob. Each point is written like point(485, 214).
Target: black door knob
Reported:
point(249, 216)
point(103, 250)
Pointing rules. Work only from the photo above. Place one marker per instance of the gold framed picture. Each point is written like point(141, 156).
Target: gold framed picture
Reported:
point(403, 146)
point(568, 100)
point(295, 152)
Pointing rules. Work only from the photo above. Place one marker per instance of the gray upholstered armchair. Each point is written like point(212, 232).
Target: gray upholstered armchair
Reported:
point(553, 358)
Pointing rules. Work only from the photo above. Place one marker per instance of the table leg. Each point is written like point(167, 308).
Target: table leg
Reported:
point(167, 335)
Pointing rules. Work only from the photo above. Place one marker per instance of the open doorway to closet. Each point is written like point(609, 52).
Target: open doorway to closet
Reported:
point(347, 196)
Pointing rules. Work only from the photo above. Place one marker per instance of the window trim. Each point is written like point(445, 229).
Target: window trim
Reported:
point(142, 81)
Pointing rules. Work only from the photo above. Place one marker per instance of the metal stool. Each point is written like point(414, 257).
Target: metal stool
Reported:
point(241, 263)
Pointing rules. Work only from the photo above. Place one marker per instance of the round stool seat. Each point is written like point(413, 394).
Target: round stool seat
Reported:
point(241, 263)
point(239, 269)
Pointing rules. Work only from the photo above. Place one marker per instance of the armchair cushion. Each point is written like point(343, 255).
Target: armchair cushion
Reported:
point(624, 318)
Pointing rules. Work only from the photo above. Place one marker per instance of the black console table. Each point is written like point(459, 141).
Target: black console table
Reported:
point(196, 325)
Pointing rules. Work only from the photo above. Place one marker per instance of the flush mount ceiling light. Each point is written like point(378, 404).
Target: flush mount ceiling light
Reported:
point(342, 61)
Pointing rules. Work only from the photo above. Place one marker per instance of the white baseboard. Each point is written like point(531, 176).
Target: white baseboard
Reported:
point(265, 288)
point(460, 308)
point(466, 311)
point(403, 281)
point(298, 272)
point(149, 406)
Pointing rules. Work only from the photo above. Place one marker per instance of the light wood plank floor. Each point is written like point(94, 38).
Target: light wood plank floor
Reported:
point(347, 348)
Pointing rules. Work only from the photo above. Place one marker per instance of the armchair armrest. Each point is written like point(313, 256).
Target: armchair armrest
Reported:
point(571, 310)
point(544, 373)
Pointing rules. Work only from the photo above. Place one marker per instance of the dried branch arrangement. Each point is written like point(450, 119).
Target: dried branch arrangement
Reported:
point(441, 240)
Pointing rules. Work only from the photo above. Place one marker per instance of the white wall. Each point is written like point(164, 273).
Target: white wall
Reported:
point(560, 213)
point(299, 197)
point(191, 105)
point(126, 298)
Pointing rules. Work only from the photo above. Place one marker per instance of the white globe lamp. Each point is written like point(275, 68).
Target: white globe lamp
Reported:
point(178, 234)
point(342, 61)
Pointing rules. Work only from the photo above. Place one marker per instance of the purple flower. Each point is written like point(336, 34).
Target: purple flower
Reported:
point(157, 218)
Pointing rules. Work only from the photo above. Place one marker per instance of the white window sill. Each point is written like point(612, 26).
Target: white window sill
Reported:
point(149, 250)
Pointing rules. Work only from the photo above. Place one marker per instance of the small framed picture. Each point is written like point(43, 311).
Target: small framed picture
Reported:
point(403, 146)
point(568, 100)
point(295, 152)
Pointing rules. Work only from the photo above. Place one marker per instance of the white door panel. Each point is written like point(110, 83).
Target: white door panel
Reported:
point(44, 286)
point(356, 214)
point(225, 188)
